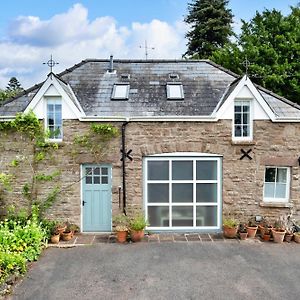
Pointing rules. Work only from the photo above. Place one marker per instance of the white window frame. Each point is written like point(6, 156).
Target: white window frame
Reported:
point(169, 94)
point(193, 204)
point(114, 95)
point(55, 100)
point(250, 136)
point(288, 186)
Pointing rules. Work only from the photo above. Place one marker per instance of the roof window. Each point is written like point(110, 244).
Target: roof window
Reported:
point(175, 91)
point(173, 76)
point(120, 91)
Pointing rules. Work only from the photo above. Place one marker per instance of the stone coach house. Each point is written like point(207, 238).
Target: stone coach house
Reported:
point(197, 142)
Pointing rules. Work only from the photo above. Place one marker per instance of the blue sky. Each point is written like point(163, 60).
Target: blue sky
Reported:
point(31, 30)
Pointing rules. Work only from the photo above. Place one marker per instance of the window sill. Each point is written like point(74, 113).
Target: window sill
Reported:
point(276, 204)
point(243, 143)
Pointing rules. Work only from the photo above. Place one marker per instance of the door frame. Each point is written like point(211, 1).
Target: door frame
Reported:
point(82, 176)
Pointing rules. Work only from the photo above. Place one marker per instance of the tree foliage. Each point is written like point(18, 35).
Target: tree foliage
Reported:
point(13, 88)
point(210, 22)
point(271, 42)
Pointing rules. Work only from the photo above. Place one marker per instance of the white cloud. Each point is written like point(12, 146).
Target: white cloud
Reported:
point(71, 37)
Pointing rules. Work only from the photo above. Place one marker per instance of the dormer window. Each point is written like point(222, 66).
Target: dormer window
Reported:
point(175, 91)
point(54, 118)
point(120, 91)
point(242, 123)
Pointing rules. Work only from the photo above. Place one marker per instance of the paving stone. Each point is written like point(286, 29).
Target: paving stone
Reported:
point(84, 239)
point(205, 237)
point(193, 237)
point(153, 238)
point(180, 238)
point(166, 238)
point(217, 237)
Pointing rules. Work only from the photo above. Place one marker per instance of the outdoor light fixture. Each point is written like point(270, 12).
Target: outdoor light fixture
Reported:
point(258, 218)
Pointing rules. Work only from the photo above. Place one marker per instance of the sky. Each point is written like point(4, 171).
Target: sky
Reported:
point(32, 30)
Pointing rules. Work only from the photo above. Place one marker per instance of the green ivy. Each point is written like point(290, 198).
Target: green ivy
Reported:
point(44, 177)
point(5, 180)
point(105, 130)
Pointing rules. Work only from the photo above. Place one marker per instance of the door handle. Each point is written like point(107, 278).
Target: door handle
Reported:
point(83, 202)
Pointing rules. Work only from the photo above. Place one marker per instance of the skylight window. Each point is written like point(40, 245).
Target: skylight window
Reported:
point(175, 91)
point(120, 91)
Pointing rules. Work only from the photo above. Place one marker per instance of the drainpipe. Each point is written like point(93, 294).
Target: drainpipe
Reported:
point(123, 164)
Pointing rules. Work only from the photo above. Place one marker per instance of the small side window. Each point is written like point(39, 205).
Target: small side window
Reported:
point(54, 123)
point(277, 184)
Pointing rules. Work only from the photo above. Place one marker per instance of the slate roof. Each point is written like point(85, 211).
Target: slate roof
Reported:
point(205, 84)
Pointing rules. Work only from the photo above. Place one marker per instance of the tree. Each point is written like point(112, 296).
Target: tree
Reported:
point(13, 88)
point(210, 22)
point(271, 42)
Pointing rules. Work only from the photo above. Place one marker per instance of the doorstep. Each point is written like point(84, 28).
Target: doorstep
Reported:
point(109, 238)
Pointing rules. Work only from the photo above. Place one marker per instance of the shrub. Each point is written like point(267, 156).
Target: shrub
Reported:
point(230, 223)
point(138, 223)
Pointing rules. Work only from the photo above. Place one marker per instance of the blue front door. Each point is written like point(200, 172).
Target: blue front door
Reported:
point(96, 194)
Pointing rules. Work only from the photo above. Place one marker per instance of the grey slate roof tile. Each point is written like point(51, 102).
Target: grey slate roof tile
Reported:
point(205, 84)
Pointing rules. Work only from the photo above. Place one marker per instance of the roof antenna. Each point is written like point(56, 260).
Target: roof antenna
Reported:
point(146, 49)
point(51, 63)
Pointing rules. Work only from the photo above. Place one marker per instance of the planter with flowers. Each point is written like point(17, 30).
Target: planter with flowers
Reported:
point(230, 228)
point(137, 225)
point(121, 221)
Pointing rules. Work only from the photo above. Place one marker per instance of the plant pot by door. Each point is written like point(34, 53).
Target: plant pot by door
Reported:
point(230, 232)
point(266, 237)
point(67, 236)
point(251, 231)
point(288, 237)
point(55, 238)
point(297, 238)
point(136, 236)
point(121, 236)
point(278, 236)
point(243, 235)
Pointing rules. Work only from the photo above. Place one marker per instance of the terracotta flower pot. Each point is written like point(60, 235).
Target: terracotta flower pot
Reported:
point(230, 232)
point(137, 236)
point(297, 238)
point(67, 236)
point(121, 236)
point(251, 231)
point(243, 235)
point(55, 239)
point(278, 236)
point(266, 237)
point(288, 237)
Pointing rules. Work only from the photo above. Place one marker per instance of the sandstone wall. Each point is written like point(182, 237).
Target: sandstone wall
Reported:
point(274, 144)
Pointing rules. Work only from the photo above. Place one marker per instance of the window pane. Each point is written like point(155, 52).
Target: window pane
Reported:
point(158, 192)
point(104, 171)
point(88, 180)
point(57, 118)
point(246, 118)
point(237, 108)
point(121, 91)
point(96, 180)
point(206, 192)
point(158, 170)
point(50, 107)
point(238, 119)
point(270, 174)
point(206, 216)
point(175, 91)
point(269, 190)
point(238, 131)
point(182, 170)
point(245, 130)
point(280, 190)
point(182, 192)
point(50, 121)
point(104, 180)
point(88, 171)
point(246, 108)
point(281, 175)
point(182, 216)
point(58, 108)
point(158, 216)
point(206, 170)
point(97, 171)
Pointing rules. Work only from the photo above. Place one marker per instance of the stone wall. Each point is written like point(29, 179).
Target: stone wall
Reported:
point(274, 144)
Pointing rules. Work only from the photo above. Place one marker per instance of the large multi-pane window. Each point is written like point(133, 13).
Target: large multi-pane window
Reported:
point(277, 184)
point(242, 120)
point(182, 192)
point(54, 118)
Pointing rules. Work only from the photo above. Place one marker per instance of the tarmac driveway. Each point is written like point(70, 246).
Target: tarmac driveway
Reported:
point(215, 270)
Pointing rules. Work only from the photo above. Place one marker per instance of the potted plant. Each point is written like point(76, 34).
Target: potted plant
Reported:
point(55, 235)
point(121, 222)
point(74, 228)
point(251, 228)
point(137, 226)
point(278, 231)
point(67, 235)
point(230, 228)
point(61, 227)
point(289, 233)
point(243, 231)
point(297, 237)
point(267, 234)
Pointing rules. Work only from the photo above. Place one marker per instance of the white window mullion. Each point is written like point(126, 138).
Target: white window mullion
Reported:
point(170, 193)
